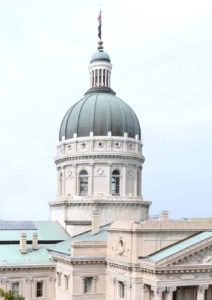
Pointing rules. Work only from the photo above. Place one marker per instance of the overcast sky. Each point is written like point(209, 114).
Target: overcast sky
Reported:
point(162, 66)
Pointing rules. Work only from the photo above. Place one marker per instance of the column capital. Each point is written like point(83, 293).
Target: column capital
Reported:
point(158, 290)
point(171, 289)
point(202, 288)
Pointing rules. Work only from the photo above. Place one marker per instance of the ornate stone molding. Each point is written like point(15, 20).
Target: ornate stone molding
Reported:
point(171, 289)
point(158, 290)
point(202, 288)
point(135, 158)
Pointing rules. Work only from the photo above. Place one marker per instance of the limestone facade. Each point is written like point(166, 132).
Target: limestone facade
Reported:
point(98, 157)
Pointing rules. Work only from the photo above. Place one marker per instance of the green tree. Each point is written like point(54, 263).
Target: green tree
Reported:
point(9, 295)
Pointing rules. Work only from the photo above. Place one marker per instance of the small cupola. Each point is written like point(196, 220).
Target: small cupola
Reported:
point(100, 68)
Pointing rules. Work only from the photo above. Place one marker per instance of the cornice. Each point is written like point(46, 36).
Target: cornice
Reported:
point(7, 268)
point(102, 157)
point(98, 202)
point(78, 260)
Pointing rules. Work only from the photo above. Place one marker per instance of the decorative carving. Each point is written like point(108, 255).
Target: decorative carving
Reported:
point(130, 173)
point(68, 149)
point(131, 146)
point(171, 289)
point(202, 288)
point(83, 145)
point(100, 171)
point(68, 172)
point(101, 144)
point(120, 248)
point(203, 257)
point(158, 290)
point(117, 145)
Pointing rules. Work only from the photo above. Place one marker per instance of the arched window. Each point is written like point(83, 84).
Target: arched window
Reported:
point(115, 182)
point(83, 182)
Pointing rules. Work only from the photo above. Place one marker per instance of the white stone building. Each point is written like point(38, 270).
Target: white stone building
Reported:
point(100, 243)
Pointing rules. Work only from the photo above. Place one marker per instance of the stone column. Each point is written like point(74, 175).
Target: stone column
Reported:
point(51, 287)
point(90, 178)
point(97, 77)
point(135, 174)
point(109, 180)
point(158, 292)
point(111, 291)
point(145, 292)
point(170, 290)
point(83, 284)
point(128, 288)
point(201, 292)
point(63, 182)
point(94, 285)
point(124, 180)
point(75, 180)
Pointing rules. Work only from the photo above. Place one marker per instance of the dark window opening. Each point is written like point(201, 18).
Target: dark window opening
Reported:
point(115, 182)
point(83, 182)
point(39, 289)
point(87, 284)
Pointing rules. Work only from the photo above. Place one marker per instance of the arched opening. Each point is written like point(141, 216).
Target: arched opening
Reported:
point(104, 77)
point(115, 182)
point(96, 77)
point(107, 78)
point(83, 183)
point(100, 77)
point(92, 78)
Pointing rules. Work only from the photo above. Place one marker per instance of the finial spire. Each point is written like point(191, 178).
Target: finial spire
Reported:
point(100, 43)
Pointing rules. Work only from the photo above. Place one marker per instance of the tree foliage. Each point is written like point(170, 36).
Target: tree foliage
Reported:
point(10, 296)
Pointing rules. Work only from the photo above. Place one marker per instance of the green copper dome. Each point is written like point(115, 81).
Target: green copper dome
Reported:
point(100, 111)
point(100, 55)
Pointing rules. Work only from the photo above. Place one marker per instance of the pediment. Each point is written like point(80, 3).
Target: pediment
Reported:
point(199, 254)
point(201, 257)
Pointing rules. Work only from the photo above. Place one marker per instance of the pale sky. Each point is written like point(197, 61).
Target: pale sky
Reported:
point(161, 53)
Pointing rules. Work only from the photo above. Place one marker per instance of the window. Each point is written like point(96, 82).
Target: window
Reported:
point(83, 182)
point(115, 182)
point(121, 290)
point(15, 288)
point(39, 289)
point(87, 284)
point(66, 277)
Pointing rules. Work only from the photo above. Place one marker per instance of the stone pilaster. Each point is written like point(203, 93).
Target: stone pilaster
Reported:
point(109, 179)
point(158, 292)
point(124, 181)
point(90, 180)
point(145, 292)
point(170, 290)
point(63, 182)
point(128, 288)
point(201, 292)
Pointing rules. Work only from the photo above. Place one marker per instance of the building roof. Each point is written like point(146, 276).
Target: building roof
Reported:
point(100, 112)
point(100, 55)
point(180, 246)
point(47, 231)
point(10, 255)
point(65, 247)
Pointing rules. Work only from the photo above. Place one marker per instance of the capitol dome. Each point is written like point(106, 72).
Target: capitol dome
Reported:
point(100, 111)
